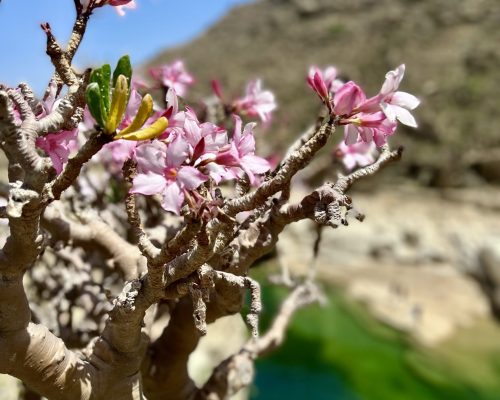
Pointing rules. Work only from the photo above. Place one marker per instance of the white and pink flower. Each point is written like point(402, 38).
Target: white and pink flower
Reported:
point(359, 154)
point(173, 76)
point(256, 102)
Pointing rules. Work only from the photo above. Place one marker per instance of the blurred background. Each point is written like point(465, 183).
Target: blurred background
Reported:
point(414, 290)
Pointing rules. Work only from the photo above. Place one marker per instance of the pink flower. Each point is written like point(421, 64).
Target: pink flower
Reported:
point(173, 76)
point(217, 88)
point(358, 154)
point(395, 104)
point(348, 98)
point(161, 171)
point(114, 154)
point(365, 126)
point(328, 76)
point(316, 82)
point(256, 102)
point(58, 147)
point(240, 153)
point(213, 136)
point(368, 127)
point(175, 117)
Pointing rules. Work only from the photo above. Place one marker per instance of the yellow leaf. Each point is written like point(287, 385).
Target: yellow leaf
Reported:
point(119, 102)
point(145, 111)
point(151, 132)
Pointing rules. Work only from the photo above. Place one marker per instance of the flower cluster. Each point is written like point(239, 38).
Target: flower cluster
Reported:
point(366, 119)
point(191, 153)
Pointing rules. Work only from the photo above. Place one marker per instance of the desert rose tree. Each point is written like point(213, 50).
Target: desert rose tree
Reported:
point(133, 212)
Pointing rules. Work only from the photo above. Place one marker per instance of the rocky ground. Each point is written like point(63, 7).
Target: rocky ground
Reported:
point(424, 262)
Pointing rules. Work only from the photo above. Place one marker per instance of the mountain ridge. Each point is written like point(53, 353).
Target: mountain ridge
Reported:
point(450, 53)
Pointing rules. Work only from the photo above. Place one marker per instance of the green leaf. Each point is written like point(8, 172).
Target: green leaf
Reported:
point(94, 101)
point(123, 67)
point(102, 77)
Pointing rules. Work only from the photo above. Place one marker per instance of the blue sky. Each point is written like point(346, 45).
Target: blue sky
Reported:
point(154, 25)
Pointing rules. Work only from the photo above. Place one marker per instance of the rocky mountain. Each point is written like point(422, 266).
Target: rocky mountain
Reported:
point(450, 49)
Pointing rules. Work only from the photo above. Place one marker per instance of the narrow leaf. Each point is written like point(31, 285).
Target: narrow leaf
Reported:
point(94, 101)
point(123, 67)
point(102, 77)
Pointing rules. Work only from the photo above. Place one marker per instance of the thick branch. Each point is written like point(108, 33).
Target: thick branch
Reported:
point(93, 233)
point(19, 141)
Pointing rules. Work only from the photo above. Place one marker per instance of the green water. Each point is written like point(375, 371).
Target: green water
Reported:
point(340, 352)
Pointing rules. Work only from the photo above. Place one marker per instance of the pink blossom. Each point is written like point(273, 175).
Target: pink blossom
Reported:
point(256, 102)
point(317, 83)
point(395, 104)
point(175, 117)
point(114, 154)
point(365, 126)
point(217, 88)
point(348, 98)
point(173, 76)
point(368, 127)
point(328, 76)
point(190, 155)
point(358, 154)
point(240, 153)
point(161, 171)
point(58, 146)
point(213, 136)
point(205, 142)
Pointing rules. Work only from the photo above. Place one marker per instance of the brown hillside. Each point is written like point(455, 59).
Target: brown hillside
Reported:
point(451, 49)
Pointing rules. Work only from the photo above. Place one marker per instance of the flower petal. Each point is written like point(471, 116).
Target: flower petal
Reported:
point(405, 117)
point(173, 198)
point(350, 134)
point(190, 177)
point(405, 100)
point(392, 80)
point(256, 164)
point(148, 184)
point(389, 111)
point(150, 157)
point(177, 152)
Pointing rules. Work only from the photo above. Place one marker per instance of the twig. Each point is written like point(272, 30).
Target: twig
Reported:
point(297, 160)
